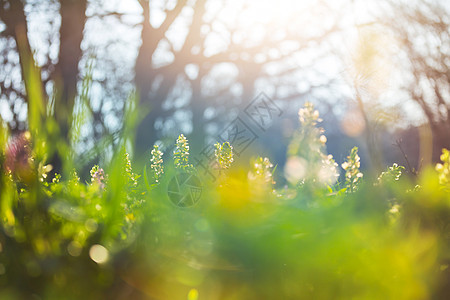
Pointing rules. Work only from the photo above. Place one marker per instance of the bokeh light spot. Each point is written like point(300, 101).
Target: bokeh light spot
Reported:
point(74, 248)
point(91, 225)
point(295, 169)
point(193, 294)
point(99, 254)
point(353, 123)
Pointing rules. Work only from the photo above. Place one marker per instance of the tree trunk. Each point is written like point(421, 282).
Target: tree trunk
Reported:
point(17, 28)
point(73, 19)
point(146, 135)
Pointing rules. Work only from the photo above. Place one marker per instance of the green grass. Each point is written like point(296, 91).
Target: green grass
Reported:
point(117, 235)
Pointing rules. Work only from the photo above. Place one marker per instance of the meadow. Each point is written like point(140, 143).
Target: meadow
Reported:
point(165, 230)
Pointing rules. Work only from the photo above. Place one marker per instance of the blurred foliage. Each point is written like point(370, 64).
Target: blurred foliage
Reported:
point(444, 169)
point(116, 235)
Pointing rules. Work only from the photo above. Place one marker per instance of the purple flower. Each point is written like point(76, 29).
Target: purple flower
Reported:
point(18, 154)
point(98, 176)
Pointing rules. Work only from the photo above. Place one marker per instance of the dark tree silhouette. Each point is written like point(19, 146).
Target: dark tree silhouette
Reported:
point(423, 31)
point(156, 83)
point(185, 36)
point(64, 74)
